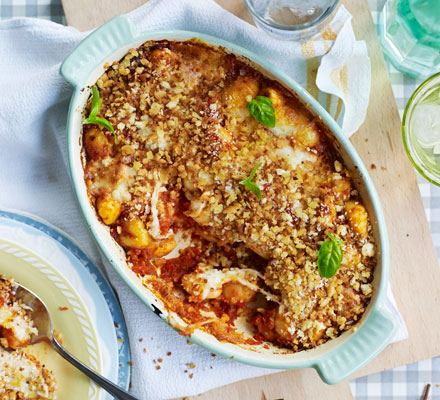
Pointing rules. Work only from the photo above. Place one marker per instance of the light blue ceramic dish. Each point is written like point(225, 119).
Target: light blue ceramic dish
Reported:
point(335, 360)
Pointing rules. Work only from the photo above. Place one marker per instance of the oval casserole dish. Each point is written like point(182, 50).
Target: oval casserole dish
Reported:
point(334, 360)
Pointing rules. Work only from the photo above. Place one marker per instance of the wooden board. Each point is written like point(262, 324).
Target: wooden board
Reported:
point(415, 274)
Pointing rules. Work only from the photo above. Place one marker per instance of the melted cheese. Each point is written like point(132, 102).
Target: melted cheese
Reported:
point(215, 279)
point(22, 374)
point(121, 191)
point(101, 184)
point(183, 241)
point(154, 228)
point(13, 317)
point(295, 157)
point(282, 130)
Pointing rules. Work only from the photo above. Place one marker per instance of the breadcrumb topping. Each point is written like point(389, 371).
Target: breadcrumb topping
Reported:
point(185, 141)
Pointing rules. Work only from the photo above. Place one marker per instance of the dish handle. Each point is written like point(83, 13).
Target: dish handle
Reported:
point(373, 335)
point(96, 48)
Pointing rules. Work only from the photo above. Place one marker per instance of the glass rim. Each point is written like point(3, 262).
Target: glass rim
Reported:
point(293, 28)
point(435, 179)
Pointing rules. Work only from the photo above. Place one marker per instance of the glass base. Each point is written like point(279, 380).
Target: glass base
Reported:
point(291, 19)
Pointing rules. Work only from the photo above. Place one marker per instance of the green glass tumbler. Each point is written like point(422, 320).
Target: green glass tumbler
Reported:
point(409, 32)
point(421, 129)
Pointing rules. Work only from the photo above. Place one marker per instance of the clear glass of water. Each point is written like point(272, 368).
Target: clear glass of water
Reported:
point(291, 19)
point(421, 129)
point(409, 32)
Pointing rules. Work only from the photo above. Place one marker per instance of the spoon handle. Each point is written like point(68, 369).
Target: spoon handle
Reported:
point(110, 387)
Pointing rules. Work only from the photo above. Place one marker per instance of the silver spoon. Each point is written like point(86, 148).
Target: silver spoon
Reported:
point(41, 318)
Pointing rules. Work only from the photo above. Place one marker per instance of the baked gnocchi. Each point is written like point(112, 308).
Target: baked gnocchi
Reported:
point(220, 214)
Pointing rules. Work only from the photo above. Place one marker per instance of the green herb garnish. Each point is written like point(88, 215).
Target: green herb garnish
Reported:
point(330, 256)
point(262, 110)
point(94, 109)
point(252, 186)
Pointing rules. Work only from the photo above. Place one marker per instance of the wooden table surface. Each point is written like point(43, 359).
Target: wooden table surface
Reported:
point(414, 275)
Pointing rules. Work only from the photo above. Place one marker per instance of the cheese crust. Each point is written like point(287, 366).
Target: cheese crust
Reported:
point(169, 189)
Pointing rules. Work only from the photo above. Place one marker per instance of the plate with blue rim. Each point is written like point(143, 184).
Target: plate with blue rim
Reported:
point(58, 249)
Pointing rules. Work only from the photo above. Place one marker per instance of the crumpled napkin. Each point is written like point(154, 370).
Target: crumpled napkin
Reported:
point(345, 72)
point(33, 175)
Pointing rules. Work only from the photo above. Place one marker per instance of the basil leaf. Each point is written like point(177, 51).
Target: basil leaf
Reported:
point(94, 109)
point(262, 110)
point(252, 186)
point(254, 171)
point(101, 122)
point(96, 102)
point(330, 256)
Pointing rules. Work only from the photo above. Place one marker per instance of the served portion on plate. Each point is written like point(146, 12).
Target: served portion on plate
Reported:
point(71, 321)
point(84, 310)
point(22, 376)
point(228, 197)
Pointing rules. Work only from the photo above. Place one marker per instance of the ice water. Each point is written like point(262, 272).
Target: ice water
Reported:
point(425, 125)
point(421, 128)
point(410, 35)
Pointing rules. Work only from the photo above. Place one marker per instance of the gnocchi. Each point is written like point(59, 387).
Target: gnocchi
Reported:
point(241, 92)
point(96, 143)
point(235, 292)
point(221, 208)
point(134, 234)
point(357, 217)
point(108, 209)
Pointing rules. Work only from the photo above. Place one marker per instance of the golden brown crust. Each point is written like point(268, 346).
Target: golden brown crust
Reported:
point(185, 141)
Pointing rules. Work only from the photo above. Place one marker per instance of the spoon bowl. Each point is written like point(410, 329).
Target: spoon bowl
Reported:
point(38, 313)
point(40, 316)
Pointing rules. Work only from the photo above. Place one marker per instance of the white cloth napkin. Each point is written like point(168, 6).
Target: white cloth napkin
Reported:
point(33, 176)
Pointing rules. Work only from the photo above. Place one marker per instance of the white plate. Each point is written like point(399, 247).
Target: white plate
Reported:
point(106, 337)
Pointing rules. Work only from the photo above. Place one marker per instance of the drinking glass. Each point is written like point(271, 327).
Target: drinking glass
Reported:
point(409, 32)
point(421, 129)
point(291, 19)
